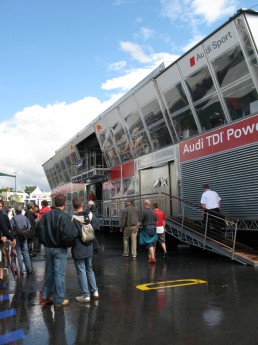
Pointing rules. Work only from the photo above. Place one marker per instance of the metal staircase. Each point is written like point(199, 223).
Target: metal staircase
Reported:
point(223, 245)
point(217, 233)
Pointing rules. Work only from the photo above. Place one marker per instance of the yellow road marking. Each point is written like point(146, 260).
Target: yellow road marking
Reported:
point(170, 284)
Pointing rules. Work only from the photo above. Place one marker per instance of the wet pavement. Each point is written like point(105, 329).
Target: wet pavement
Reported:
point(219, 307)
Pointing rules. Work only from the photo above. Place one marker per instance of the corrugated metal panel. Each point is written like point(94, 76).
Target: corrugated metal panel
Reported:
point(232, 174)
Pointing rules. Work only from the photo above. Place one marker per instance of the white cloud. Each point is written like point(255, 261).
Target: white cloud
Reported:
point(127, 81)
point(173, 9)
point(195, 13)
point(117, 66)
point(152, 59)
point(213, 10)
point(135, 50)
point(134, 76)
point(197, 10)
point(158, 58)
point(31, 137)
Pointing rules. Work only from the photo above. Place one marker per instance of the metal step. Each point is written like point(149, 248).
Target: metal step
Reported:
point(194, 235)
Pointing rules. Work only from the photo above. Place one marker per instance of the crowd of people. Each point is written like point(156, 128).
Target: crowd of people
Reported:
point(58, 231)
point(13, 219)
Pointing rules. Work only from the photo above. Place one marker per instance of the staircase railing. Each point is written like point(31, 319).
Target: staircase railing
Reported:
point(212, 227)
point(189, 218)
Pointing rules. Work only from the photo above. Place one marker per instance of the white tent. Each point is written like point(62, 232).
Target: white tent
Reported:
point(37, 195)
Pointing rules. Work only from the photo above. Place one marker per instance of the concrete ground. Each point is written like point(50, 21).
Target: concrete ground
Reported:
point(192, 298)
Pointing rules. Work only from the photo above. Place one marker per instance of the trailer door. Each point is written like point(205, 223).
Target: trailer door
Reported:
point(155, 180)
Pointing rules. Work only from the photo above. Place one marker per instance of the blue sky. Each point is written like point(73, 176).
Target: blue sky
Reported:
point(62, 50)
point(64, 59)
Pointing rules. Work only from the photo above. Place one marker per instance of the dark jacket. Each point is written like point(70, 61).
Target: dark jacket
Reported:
point(95, 222)
point(4, 228)
point(32, 221)
point(56, 229)
point(81, 250)
point(7, 222)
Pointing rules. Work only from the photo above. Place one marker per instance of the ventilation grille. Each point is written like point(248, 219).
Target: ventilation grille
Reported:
point(232, 174)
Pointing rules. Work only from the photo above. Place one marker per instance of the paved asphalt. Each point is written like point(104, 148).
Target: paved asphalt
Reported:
point(192, 298)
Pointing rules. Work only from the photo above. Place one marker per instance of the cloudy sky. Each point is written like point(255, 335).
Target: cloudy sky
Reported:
point(63, 62)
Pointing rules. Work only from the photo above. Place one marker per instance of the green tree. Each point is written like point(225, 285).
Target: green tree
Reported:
point(29, 189)
point(6, 189)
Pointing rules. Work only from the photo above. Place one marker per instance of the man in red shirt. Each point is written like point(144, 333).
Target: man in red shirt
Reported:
point(44, 208)
point(161, 228)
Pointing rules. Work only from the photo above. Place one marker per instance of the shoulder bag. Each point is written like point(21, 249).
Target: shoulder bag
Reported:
point(23, 233)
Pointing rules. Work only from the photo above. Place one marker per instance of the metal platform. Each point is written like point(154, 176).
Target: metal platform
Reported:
point(223, 246)
point(217, 235)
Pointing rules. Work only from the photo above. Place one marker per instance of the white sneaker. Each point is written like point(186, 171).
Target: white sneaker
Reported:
point(83, 299)
point(95, 295)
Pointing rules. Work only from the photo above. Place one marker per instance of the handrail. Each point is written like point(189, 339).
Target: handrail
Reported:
point(171, 197)
point(209, 236)
point(197, 206)
point(212, 228)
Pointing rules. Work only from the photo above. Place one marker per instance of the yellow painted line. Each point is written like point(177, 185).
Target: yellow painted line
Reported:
point(170, 284)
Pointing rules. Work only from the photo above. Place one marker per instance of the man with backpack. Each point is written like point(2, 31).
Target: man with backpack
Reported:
point(19, 221)
point(82, 253)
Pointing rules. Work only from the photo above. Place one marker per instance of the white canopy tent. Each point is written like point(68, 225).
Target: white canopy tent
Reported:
point(37, 196)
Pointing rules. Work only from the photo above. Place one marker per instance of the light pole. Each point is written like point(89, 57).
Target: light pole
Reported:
point(15, 173)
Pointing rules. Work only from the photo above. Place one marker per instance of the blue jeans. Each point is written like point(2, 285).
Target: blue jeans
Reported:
point(56, 261)
point(86, 276)
point(23, 253)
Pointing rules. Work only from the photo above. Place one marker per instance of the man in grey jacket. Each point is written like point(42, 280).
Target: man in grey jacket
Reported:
point(129, 225)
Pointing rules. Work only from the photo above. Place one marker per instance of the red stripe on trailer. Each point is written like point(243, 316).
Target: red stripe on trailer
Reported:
point(128, 169)
point(115, 173)
point(235, 135)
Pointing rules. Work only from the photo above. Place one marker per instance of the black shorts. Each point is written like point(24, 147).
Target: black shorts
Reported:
point(162, 237)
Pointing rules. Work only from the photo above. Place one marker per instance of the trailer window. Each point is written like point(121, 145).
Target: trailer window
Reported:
point(210, 113)
point(152, 113)
point(62, 164)
point(122, 144)
point(230, 67)
point(160, 135)
point(141, 144)
point(241, 99)
point(185, 124)
point(175, 98)
point(200, 84)
point(156, 125)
